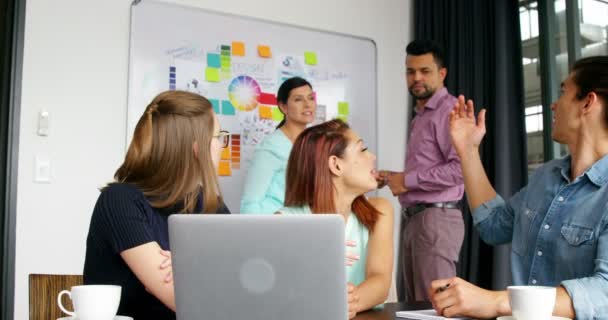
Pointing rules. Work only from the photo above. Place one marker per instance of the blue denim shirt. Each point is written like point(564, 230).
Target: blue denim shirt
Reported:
point(558, 231)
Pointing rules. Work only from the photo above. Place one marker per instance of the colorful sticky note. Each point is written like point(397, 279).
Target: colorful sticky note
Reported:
point(343, 108)
point(267, 98)
point(212, 74)
point(227, 108)
point(226, 154)
point(238, 48)
point(265, 112)
point(342, 117)
point(235, 140)
point(213, 60)
point(224, 168)
point(310, 58)
point(216, 105)
point(264, 51)
point(277, 115)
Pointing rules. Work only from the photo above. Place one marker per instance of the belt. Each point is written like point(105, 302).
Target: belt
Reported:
point(417, 208)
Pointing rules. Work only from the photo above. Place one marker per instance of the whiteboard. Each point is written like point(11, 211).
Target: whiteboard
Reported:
point(238, 63)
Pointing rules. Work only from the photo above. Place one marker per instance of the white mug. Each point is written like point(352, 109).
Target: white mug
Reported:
point(92, 302)
point(532, 302)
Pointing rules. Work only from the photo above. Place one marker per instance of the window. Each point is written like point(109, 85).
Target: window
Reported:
point(528, 20)
point(594, 27)
point(534, 119)
point(592, 40)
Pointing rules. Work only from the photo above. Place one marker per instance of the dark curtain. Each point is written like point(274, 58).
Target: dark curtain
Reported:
point(5, 27)
point(8, 113)
point(484, 60)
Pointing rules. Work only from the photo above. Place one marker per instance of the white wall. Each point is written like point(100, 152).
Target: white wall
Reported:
point(75, 67)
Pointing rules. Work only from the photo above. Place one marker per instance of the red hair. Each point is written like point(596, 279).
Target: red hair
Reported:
point(309, 180)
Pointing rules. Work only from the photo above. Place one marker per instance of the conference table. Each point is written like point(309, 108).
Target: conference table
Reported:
point(389, 309)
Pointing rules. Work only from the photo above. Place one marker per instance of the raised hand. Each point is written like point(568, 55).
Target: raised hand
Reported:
point(465, 130)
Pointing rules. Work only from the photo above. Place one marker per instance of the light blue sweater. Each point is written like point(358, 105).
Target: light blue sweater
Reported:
point(264, 191)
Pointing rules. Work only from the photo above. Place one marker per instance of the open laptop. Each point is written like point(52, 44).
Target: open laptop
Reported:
point(262, 267)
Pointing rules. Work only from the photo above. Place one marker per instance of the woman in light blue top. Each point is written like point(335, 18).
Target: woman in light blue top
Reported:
point(329, 171)
point(265, 185)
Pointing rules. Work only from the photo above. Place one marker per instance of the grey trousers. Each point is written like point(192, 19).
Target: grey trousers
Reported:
point(431, 242)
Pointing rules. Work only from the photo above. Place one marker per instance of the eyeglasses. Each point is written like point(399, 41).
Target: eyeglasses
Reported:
point(224, 137)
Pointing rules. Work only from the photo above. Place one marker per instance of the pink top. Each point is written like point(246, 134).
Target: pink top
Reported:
point(432, 167)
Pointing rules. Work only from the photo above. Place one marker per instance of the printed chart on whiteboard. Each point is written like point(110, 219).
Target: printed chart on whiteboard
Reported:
point(238, 64)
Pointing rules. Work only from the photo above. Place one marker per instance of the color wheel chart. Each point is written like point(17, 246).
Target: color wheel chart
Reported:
point(244, 92)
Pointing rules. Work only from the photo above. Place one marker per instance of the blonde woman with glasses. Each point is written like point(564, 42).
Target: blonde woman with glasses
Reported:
point(170, 167)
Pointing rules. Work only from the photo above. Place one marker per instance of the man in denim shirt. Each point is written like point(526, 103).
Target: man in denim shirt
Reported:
point(558, 223)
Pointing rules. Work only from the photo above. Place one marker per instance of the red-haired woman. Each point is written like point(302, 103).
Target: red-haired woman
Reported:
point(329, 171)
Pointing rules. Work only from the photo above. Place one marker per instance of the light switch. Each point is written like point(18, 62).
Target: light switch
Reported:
point(42, 170)
point(43, 123)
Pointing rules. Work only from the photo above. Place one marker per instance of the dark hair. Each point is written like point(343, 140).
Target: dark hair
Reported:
point(591, 75)
point(285, 89)
point(421, 47)
point(308, 178)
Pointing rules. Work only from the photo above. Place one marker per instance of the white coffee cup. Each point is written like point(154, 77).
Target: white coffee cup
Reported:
point(532, 302)
point(92, 302)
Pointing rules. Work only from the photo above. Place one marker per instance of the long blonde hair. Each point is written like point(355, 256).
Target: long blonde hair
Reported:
point(161, 160)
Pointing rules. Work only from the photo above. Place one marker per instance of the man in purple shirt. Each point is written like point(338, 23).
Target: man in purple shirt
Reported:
point(431, 184)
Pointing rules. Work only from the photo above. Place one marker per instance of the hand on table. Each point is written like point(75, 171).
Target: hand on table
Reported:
point(353, 300)
point(457, 297)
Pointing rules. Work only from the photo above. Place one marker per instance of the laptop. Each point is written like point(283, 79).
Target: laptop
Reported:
point(275, 267)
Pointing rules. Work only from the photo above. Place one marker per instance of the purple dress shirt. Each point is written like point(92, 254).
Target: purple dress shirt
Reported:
point(432, 167)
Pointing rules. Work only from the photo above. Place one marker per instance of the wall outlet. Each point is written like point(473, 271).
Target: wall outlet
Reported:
point(42, 170)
